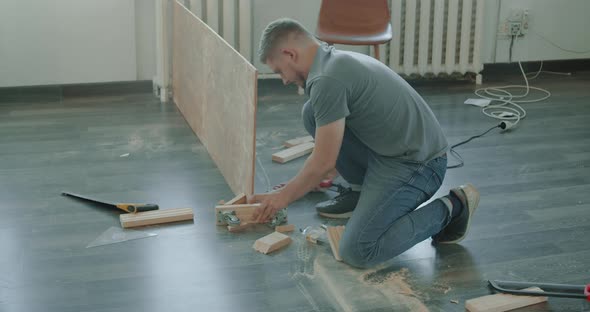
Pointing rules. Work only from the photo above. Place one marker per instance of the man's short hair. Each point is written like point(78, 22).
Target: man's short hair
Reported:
point(276, 33)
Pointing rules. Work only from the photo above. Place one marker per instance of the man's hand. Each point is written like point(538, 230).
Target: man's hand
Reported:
point(318, 165)
point(270, 204)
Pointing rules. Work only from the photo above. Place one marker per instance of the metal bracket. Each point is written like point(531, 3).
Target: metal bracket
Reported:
point(279, 218)
point(228, 217)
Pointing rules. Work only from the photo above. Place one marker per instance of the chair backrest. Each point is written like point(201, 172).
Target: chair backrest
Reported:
point(353, 17)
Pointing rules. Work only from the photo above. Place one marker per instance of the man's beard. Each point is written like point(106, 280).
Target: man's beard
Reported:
point(300, 79)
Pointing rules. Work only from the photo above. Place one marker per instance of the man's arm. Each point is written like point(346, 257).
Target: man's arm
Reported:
point(328, 140)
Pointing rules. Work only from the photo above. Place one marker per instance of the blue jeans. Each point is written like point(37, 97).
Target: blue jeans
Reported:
point(385, 222)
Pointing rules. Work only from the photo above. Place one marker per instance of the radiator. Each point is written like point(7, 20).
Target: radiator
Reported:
point(433, 37)
point(430, 37)
point(231, 19)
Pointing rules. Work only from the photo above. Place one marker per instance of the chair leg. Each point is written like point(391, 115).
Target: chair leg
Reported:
point(376, 48)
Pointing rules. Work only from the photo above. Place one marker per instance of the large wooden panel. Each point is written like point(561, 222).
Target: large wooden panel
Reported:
point(215, 89)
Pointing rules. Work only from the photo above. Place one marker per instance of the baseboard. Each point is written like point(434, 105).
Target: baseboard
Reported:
point(555, 65)
point(84, 89)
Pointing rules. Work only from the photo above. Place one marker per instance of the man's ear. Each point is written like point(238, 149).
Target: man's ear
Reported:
point(291, 54)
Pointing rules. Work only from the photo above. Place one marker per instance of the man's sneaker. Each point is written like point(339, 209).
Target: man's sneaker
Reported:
point(457, 229)
point(339, 207)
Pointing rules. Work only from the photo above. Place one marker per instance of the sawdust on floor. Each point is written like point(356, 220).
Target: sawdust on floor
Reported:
point(397, 279)
point(394, 285)
point(351, 289)
point(441, 288)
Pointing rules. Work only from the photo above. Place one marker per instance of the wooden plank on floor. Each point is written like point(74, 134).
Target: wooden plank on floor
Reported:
point(285, 228)
point(502, 302)
point(238, 228)
point(297, 141)
point(129, 220)
point(215, 88)
point(293, 152)
point(334, 236)
point(240, 199)
point(271, 242)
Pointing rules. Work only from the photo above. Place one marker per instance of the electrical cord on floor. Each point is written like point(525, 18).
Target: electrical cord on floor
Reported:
point(545, 71)
point(508, 108)
point(503, 125)
point(509, 116)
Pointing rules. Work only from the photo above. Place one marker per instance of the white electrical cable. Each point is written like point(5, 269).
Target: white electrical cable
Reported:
point(545, 71)
point(507, 107)
point(558, 46)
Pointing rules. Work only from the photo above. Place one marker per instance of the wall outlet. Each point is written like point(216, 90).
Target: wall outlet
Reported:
point(525, 21)
point(515, 29)
point(516, 24)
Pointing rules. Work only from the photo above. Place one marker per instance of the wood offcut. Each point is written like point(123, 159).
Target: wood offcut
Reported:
point(293, 152)
point(238, 228)
point(285, 228)
point(271, 242)
point(129, 220)
point(297, 141)
point(503, 302)
point(240, 199)
point(334, 236)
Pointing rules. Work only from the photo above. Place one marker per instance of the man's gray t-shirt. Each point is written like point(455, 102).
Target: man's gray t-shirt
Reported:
point(380, 107)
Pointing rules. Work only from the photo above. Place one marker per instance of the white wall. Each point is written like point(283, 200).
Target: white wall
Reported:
point(78, 41)
point(145, 39)
point(66, 41)
point(564, 22)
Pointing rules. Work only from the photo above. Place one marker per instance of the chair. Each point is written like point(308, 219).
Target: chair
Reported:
point(354, 22)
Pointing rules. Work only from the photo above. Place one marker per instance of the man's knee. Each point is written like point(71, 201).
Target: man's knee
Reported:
point(355, 254)
point(308, 118)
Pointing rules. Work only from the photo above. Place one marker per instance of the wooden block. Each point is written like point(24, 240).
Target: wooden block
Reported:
point(237, 228)
point(155, 217)
point(240, 199)
point(243, 212)
point(293, 152)
point(215, 89)
point(334, 236)
point(271, 242)
point(297, 141)
point(502, 302)
point(285, 228)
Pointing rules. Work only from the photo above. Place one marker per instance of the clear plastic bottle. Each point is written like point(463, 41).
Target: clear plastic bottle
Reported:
point(315, 234)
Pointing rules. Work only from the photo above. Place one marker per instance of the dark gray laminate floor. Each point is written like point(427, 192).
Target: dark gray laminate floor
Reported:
point(533, 222)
